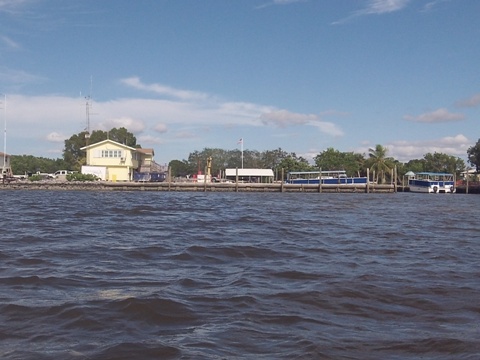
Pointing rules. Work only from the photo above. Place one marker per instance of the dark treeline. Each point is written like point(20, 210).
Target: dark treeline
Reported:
point(355, 164)
point(73, 156)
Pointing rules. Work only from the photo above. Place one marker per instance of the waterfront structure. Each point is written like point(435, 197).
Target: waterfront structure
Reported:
point(113, 161)
point(335, 177)
point(431, 182)
point(250, 175)
point(5, 164)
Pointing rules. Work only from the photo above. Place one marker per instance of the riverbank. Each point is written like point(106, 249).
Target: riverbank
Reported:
point(197, 187)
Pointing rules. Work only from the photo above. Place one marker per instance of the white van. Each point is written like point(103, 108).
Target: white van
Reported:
point(61, 174)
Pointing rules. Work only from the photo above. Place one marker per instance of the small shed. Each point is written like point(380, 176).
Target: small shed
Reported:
point(250, 175)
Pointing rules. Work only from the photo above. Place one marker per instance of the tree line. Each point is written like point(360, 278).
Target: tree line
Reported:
point(73, 157)
point(355, 164)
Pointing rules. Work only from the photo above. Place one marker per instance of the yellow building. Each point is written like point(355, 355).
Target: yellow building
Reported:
point(113, 161)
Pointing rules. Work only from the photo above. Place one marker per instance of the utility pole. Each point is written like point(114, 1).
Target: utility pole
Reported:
point(4, 170)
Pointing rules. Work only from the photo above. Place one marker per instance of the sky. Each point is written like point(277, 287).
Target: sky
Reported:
point(185, 75)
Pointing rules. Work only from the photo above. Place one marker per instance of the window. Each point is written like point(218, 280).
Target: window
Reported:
point(112, 153)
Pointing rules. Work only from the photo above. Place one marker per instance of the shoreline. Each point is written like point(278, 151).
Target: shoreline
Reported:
point(212, 187)
point(197, 187)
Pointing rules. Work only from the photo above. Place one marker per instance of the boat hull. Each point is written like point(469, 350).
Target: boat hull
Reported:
point(423, 186)
point(336, 181)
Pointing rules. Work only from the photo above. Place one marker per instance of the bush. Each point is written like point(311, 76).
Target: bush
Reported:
point(81, 177)
point(35, 178)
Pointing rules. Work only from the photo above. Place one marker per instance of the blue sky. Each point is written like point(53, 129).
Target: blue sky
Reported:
point(301, 75)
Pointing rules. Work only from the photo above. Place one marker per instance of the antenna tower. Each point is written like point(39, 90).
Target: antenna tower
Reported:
point(88, 104)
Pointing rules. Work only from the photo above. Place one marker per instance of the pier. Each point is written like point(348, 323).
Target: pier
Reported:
point(202, 187)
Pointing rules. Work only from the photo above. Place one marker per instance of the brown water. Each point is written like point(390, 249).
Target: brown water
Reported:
point(154, 275)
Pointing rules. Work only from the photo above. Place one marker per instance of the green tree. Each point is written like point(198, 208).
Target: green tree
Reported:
point(294, 163)
point(271, 159)
point(179, 168)
point(22, 164)
point(439, 162)
point(332, 159)
point(379, 162)
point(473, 153)
point(415, 165)
point(74, 157)
point(222, 159)
point(122, 136)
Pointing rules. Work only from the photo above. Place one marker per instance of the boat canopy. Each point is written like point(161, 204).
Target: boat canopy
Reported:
point(249, 172)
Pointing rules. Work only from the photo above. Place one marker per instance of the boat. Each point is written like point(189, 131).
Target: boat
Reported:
point(332, 177)
point(432, 182)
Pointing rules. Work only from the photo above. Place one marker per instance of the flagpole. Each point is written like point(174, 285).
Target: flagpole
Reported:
point(4, 172)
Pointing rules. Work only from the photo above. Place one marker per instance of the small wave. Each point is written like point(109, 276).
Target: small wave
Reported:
point(154, 311)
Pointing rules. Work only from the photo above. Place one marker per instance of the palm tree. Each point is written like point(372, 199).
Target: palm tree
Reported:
point(378, 161)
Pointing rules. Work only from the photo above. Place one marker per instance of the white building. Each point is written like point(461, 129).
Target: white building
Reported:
point(5, 164)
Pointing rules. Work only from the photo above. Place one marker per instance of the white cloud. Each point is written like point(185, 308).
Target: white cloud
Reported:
point(279, 2)
point(384, 6)
point(163, 90)
point(12, 6)
point(284, 118)
point(472, 101)
point(437, 116)
point(18, 77)
point(161, 128)
point(56, 137)
point(376, 7)
point(408, 150)
point(9, 42)
point(432, 4)
point(148, 139)
point(132, 125)
point(50, 117)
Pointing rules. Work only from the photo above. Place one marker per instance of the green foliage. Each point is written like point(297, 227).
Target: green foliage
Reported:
point(81, 177)
point(439, 162)
point(222, 159)
point(179, 168)
point(473, 153)
point(379, 162)
point(416, 165)
point(272, 159)
point(293, 163)
point(35, 178)
point(24, 164)
point(332, 159)
point(74, 157)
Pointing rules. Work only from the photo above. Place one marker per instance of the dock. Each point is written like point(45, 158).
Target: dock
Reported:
point(201, 187)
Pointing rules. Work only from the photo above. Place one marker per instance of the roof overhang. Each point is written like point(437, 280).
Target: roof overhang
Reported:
point(249, 172)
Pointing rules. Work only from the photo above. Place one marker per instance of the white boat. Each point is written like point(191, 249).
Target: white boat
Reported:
point(335, 177)
point(430, 182)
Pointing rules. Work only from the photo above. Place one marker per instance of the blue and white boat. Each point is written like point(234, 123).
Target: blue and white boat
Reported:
point(431, 182)
point(336, 177)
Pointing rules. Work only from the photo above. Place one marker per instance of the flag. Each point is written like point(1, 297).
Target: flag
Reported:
point(240, 141)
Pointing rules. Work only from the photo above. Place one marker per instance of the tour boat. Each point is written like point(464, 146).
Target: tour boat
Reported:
point(431, 182)
point(338, 177)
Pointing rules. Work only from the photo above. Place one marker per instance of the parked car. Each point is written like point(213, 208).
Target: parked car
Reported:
point(61, 174)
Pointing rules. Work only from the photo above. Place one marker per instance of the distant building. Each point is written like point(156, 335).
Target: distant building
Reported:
point(113, 161)
point(5, 166)
point(250, 175)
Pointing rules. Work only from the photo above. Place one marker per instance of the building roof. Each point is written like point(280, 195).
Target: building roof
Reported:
point(249, 172)
point(146, 151)
point(107, 141)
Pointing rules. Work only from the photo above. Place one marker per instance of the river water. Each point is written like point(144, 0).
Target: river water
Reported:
point(156, 275)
